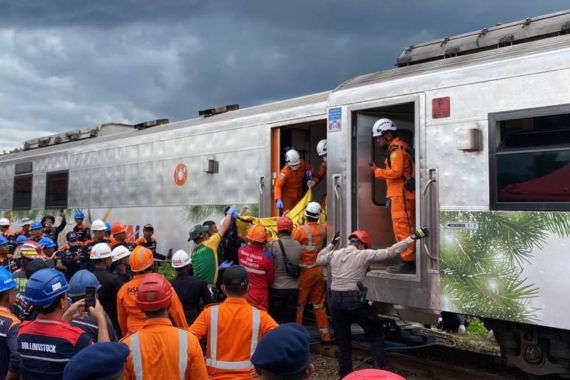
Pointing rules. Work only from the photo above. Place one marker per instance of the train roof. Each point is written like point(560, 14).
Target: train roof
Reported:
point(253, 111)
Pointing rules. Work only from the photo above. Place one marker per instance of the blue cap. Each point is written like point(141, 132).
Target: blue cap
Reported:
point(36, 226)
point(6, 280)
point(44, 286)
point(72, 236)
point(3, 241)
point(98, 361)
point(47, 243)
point(78, 215)
point(21, 239)
point(81, 280)
point(283, 350)
point(107, 227)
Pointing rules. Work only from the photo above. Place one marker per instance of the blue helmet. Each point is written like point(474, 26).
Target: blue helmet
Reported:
point(107, 227)
point(36, 226)
point(47, 243)
point(81, 280)
point(21, 239)
point(78, 215)
point(44, 286)
point(3, 241)
point(6, 280)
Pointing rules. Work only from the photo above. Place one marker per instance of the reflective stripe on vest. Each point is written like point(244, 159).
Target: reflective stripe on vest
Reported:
point(213, 361)
point(182, 354)
point(310, 246)
point(255, 271)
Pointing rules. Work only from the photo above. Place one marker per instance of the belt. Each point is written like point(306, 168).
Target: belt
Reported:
point(346, 293)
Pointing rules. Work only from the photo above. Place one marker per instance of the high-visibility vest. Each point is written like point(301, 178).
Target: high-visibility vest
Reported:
point(311, 246)
point(212, 361)
point(182, 354)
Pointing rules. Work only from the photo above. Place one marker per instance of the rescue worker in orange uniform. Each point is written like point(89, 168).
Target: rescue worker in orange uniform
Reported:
point(119, 233)
point(312, 236)
point(258, 264)
point(233, 329)
point(158, 349)
point(322, 173)
point(398, 174)
point(288, 187)
point(131, 317)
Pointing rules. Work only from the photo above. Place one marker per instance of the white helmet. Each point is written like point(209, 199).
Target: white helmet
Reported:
point(322, 147)
point(4, 222)
point(98, 225)
point(100, 251)
point(180, 259)
point(119, 252)
point(313, 210)
point(383, 125)
point(292, 158)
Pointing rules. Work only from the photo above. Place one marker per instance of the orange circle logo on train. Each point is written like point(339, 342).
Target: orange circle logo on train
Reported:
point(180, 174)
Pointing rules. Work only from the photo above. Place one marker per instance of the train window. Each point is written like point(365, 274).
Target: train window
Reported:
point(56, 190)
point(22, 192)
point(530, 163)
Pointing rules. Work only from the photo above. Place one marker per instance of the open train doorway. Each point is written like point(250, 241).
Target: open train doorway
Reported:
point(303, 137)
point(372, 211)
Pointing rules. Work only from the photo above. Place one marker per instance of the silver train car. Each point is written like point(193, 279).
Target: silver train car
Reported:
point(488, 114)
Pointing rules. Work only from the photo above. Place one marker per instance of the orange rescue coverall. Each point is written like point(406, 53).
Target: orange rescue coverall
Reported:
point(289, 185)
point(322, 173)
point(312, 237)
point(132, 319)
point(231, 338)
point(156, 352)
point(402, 202)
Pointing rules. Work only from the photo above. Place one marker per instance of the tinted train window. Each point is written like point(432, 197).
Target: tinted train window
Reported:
point(531, 163)
point(22, 192)
point(56, 190)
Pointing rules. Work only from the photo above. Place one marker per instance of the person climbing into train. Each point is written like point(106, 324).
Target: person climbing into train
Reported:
point(399, 176)
point(258, 263)
point(312, 237)
point(348, 303)
point(80, 228)
point(288, 186)
point(322, 173)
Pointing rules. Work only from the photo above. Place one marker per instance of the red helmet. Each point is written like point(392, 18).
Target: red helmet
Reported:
point(154, 292)
point(118, 228)
point(284, 224)
point(362, 236)
point(30, 250)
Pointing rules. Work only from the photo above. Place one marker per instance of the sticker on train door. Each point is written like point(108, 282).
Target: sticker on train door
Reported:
point(335, 119)
point(180, 175)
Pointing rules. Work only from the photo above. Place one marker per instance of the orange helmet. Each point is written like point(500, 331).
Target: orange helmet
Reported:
point(284, 224)
point(257, 233)
point(141, 258)
point(117, 228)
point(362, 236)
point(154, 292)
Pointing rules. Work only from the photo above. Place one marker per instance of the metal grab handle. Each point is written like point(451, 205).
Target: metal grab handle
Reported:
point(336, 204)
point(261, 187)
point(428, 253)
point(426, 186)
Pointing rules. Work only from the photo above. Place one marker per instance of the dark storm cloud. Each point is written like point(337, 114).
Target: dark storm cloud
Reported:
point(71, 64)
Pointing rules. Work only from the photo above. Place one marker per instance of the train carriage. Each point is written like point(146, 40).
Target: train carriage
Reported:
point(488, 114)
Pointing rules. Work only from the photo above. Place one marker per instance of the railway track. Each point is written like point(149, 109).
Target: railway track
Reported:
point(443, 363)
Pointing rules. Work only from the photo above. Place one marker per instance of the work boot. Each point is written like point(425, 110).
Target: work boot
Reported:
point(405, 267)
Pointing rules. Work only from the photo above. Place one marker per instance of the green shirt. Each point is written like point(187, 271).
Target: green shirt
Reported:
point(205, 259)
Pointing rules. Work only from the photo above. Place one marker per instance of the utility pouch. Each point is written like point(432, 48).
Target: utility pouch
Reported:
point(292, 270)
point(362, 293)
point(410, 184)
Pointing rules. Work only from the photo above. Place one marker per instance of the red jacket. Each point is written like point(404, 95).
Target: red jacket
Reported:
point(259, 266)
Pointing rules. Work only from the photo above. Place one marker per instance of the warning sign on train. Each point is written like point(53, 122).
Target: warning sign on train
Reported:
point(335, 119)
point(180, 175)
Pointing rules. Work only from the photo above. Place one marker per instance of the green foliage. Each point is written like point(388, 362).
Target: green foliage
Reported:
point(482, 267)
point(166, 270)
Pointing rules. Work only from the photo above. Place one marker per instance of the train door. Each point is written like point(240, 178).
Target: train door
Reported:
point(369, 205)
point(303, 137)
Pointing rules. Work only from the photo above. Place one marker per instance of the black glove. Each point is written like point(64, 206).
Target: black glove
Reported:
point(335, 239)
point(420, 233)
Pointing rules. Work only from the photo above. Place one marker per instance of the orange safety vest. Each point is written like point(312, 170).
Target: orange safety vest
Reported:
point(234, 329)
point(312, 237)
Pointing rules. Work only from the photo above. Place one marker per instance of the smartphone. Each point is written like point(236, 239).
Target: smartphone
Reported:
point(90, 295)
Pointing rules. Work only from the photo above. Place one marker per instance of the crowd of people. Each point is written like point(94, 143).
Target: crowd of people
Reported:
point(234, 309)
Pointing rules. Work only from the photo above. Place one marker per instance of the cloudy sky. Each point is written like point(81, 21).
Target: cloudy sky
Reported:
point(72, 64)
